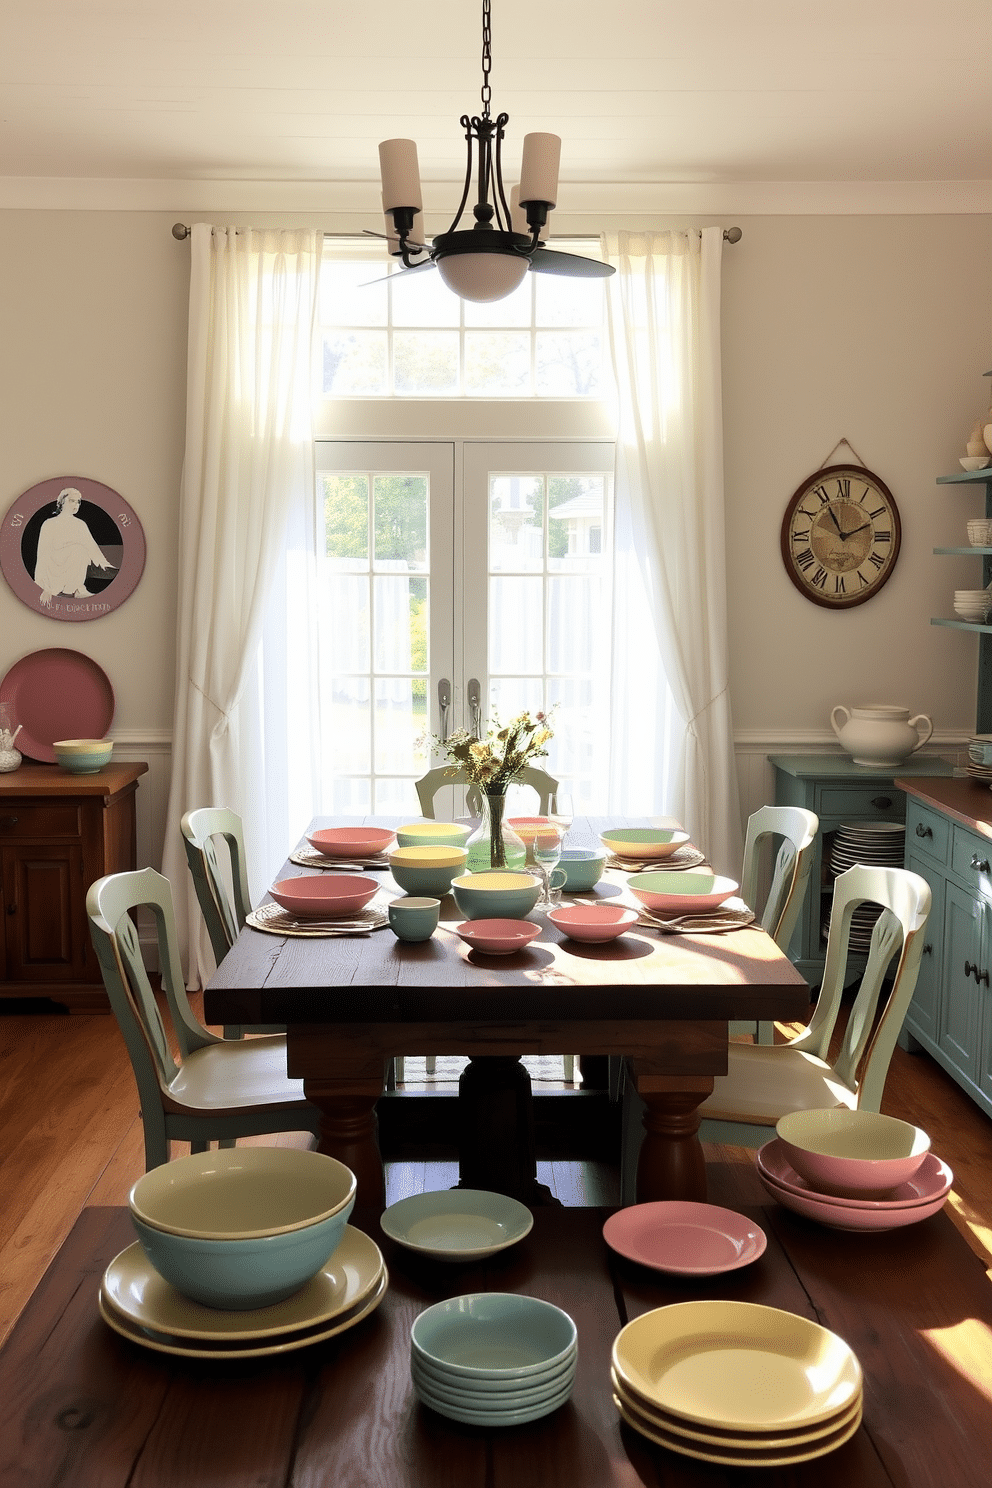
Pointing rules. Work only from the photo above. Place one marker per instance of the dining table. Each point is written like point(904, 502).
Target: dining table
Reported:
point(82, 1407)
point(657, 1000)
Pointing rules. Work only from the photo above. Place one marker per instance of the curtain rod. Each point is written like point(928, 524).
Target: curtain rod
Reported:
point(181, 231)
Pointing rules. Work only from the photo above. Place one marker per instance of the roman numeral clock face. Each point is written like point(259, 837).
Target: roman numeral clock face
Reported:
point(840, 536)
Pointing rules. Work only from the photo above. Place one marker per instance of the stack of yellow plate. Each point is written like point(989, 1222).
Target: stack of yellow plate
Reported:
point(736, 1383)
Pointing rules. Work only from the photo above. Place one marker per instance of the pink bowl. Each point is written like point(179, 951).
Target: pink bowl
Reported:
point(852, 1151)
point(350, 842)
point(498, 937)
point(681, 893)
point(593, 922)
point(324, 896)
point(841, 1216)
point(932, 1180)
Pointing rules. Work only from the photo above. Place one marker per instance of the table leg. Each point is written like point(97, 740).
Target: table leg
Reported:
point(349, 1132)
point(496, 1130)
point(671, 1163)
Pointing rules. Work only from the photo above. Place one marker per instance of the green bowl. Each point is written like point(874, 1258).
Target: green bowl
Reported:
point(499, 894)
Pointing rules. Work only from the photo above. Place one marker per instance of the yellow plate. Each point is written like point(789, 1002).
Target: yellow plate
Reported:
point(163, 1344)
point(135, 1291)
point(737, 1365)
point(774, 1458)
point(753, 1441)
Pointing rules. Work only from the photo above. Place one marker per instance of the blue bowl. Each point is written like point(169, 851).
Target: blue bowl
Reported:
point(243, 1227)
point(496, 1336)
point(582, 866)
point(497, 894)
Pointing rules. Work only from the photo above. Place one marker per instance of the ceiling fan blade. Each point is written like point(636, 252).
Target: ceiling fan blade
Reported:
point(549, 261)
point(394, 238)
point(416, 268)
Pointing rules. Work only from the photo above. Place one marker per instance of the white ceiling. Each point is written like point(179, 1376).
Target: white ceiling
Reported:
point(641, 91)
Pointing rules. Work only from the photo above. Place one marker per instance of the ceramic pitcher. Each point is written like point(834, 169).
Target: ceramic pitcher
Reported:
point(880, 734)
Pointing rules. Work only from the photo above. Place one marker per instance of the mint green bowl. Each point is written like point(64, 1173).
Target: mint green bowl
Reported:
point(499, 894)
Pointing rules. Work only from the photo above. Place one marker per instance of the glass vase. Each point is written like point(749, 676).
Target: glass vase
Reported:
point(494, 844)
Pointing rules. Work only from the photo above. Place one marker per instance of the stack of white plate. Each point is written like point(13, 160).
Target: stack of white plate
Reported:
point(874, 843)
point(736, 1383)
point(976, 766)
point(919, 1197)
point(493, 1358)
point(141, 1305)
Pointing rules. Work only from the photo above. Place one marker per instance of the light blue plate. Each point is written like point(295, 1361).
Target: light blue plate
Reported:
point(458, 1224)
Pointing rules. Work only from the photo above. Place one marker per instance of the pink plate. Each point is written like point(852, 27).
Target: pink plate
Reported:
point(932, 1180)
point(57, 694)
point(350, 842)
point(498, 937)
point(324, 896)
point(593, 922)
point(684, 1238)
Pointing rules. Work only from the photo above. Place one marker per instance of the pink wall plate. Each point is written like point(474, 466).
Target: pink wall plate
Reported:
point(57, 694)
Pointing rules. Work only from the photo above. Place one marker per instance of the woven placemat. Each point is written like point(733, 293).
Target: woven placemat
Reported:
point(275, 920)
point(727, 917)
point(683, 857)
point(309, 857)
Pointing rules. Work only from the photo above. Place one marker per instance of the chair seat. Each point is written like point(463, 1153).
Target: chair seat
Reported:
point(238, 1074)
point(765, 1082)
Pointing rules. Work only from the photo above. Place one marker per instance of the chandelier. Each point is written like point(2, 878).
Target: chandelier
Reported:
point(488, 260)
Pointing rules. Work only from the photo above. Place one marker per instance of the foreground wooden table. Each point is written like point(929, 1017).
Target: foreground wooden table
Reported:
point(82, 1408)
point(350, 1005)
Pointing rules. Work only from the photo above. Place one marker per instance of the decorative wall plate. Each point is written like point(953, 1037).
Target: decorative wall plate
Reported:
point(71, 548)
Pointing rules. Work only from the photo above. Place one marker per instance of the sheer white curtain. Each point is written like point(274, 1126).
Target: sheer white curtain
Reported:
point(249, 448)
point(664, 318)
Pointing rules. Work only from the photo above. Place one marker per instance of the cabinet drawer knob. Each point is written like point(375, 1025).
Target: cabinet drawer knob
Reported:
point(982, 977)
point(8, 821)
point(971, 969)
point(980, 865)
point(927, 949)
point(922, 831)
point(881, 803)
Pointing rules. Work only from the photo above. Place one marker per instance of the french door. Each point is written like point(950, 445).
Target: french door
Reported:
point(458, 580)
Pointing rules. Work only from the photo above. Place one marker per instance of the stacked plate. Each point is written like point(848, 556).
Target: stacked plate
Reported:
point(141, 1305)
point(736, 1383)
point(918, 1198)
point(882, 843)
point(976, 766)
point(493, 1358)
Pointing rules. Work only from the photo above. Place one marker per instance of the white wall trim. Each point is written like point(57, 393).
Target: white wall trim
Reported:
point(616, 198)
point(819, 741)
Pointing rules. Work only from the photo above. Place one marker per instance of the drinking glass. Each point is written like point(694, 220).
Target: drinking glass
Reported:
point(547, 853)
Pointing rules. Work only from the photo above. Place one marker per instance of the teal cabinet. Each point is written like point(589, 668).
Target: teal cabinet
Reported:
point(840, 792)
point(951, 1012)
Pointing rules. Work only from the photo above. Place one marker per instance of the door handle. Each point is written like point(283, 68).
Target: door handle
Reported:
point(443, 704)
point(475, 703)
point(980, 865)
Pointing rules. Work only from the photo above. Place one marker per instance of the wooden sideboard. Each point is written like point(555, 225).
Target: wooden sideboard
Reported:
point(58, 834)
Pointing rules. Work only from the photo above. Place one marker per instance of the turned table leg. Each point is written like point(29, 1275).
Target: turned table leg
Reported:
point(496, 1130)
point(671, 1163)
point(349, 1132)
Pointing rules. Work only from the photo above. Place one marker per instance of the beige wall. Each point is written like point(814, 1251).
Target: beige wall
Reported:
point(873, 329)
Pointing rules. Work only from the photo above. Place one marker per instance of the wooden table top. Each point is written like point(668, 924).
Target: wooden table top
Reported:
point(647, 974)
point(82, 1407)
point(51, 780)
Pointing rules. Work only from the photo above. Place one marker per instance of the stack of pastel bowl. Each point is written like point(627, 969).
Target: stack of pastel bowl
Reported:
point(242, 1252)
point(736, 1383)
point(493, 1358)
point(427, 869)
point(854, 1170)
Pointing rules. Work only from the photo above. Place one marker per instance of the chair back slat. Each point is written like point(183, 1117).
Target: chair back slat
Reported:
point(219, 876)
point(429, 785)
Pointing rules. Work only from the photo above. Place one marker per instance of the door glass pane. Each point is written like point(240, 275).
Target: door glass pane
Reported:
point(516, 524)
point(376, 599)
point(516, 624)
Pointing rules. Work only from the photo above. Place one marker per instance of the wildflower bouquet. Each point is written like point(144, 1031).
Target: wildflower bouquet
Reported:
point(491, 763)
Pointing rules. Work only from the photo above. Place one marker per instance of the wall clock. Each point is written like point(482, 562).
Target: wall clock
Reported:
point(72, 548)
point(840, 536)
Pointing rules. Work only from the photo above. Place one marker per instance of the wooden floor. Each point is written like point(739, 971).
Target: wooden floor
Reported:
point(70, 1136)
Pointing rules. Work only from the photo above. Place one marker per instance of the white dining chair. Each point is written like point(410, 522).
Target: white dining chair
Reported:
point(788, 833)
point(219, 1089)
point(435, 780)
point(765, 1081)
point(213, 837)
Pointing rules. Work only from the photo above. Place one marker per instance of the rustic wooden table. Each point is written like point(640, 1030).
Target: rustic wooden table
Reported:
point(83, 1408)
point(350, 1005)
